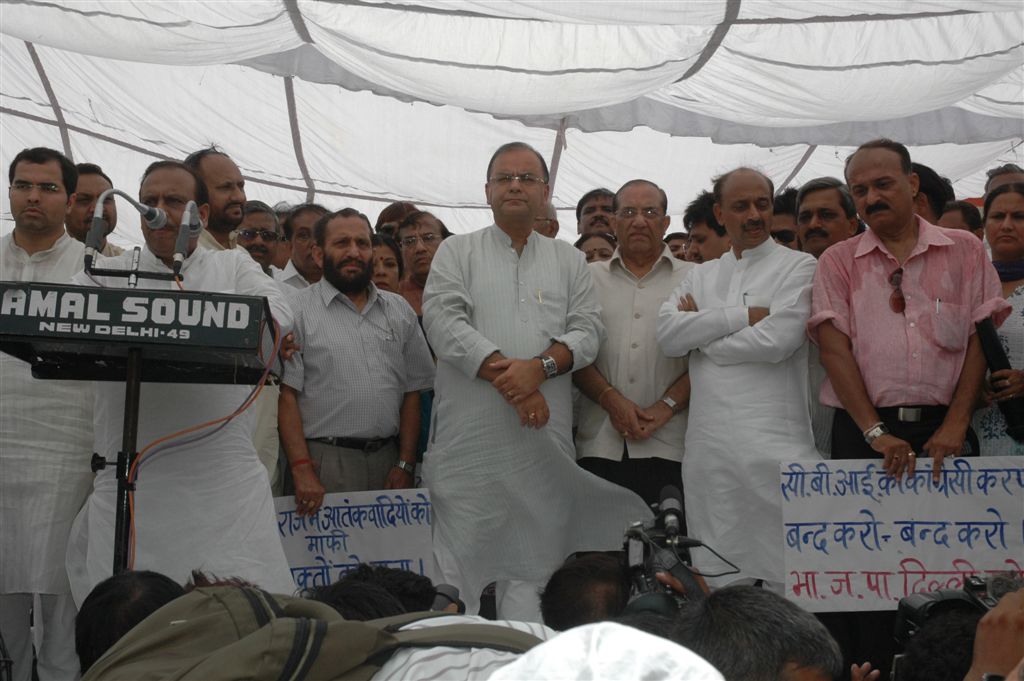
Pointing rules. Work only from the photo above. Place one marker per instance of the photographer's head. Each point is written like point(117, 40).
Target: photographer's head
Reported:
point(590, 588)
point(750, 634)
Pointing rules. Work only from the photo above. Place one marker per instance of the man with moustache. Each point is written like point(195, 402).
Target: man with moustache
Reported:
point(741, 320)
point(894, 313)
point(226, 189)
point(633, 418)
point(45, 434)
point(302, 269)
point(594, 211)
point(510, 314)
point(349, 413)
point(204, 505)
point(259, 233)
point(92, 182)
point(825, 215)
point(708, 239)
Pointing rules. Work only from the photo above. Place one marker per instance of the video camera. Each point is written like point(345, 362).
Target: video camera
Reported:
point(657, 545)
point(916, 609)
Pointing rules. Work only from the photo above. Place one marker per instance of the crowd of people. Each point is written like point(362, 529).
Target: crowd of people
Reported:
point(544, 392)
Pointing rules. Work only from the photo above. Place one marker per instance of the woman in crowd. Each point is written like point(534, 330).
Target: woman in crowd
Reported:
point(597, 246)
point(387, 263)
point(1004, 230)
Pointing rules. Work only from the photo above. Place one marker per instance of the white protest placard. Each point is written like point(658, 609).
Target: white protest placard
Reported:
point(857, 539)
point(382, 527)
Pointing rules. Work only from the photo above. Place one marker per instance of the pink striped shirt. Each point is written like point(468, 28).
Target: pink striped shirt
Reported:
point(914, 357)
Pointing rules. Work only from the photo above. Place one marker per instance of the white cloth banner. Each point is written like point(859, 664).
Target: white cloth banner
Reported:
point(388, 528)
point(857, 539)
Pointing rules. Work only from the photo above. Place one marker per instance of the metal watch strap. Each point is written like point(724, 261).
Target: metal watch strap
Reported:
point(672, 404)
point(549, 364)
point(409, 468)
point(874, 432)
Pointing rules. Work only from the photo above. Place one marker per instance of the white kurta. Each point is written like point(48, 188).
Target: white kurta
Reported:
point(748, 410)
point(45, 444)
point(203, 506)
point(510, 502)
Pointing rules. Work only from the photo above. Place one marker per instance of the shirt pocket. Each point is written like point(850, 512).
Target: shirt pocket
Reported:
point(951, 326)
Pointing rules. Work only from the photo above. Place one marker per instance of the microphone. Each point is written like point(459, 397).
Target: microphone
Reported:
point(186, 230)
point(94, 237)
point(155, 218)
point(671, 510)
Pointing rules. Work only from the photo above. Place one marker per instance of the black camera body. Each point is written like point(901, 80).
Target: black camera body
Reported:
point(916, 609)
point(654, 546)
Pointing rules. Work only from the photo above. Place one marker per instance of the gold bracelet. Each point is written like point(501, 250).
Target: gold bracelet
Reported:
point(603, 392)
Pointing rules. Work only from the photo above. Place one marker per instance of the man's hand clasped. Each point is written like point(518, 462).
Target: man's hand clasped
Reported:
point(519, 383)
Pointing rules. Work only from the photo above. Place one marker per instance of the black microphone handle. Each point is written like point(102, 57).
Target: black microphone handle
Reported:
point(995, 356)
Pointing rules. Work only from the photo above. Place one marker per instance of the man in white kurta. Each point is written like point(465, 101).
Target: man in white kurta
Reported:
point(741, 319)
point(45, 435)
point(202, 505)
point(509, 312)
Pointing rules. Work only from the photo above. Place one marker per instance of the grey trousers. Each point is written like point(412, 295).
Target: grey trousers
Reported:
point(351, 470)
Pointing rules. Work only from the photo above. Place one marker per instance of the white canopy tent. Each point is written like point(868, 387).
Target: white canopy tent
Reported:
point(363, 102)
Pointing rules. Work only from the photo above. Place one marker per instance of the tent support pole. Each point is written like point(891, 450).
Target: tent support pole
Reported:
point(556, 154)
point(62, 124)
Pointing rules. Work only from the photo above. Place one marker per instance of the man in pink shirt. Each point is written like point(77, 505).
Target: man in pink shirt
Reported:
point(893, 313)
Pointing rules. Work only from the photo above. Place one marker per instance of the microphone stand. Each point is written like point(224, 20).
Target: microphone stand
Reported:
point(128, 453)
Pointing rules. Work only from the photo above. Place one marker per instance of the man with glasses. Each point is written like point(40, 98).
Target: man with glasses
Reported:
point(547, 222)
point(893, 316)
point(784, 219)
point(419, 234)
point(633, 418)
point(302, 269)
point(509, 314)
point(741, 320)
point(259, 234)
point(46, 432)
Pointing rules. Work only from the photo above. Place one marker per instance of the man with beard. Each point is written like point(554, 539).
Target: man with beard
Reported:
point(349, 413)
point(594, 211)
point(741, 320)
point(226, 188)
point(92, 182)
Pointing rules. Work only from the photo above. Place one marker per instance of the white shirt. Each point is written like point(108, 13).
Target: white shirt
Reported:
point(447, 663)
point(510, 501)
point(203, 505)
point(748, 409)
point(290, 276)
point(45, 443)
point(631, 360)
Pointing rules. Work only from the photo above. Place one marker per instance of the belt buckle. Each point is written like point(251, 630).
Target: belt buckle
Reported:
point(909, 414)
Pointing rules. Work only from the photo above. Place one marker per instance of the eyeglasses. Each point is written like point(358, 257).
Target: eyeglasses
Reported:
point(265, 234)
point(897, 301)
point(650, 213)
point(526, 179)
point(44, 187)
point(784, 236)
point(427, 239)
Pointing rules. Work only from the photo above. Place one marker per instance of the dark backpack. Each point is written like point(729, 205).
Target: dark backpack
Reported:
point(235, 633)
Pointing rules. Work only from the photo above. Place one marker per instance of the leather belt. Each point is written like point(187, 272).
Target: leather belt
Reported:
point(930, 412)
point(360, 443)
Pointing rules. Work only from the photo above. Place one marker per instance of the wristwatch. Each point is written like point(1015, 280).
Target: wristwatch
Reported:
point(672, 404)
point(409, 468)
point(549, 364)
point(874, 432)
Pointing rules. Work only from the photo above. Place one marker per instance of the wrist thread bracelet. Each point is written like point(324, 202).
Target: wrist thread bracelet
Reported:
point(301, 462)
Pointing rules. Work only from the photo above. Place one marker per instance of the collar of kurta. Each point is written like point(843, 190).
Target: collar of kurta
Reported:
point(62, 242)
point(762, 250)
point(329, 292)
point(927, 235)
